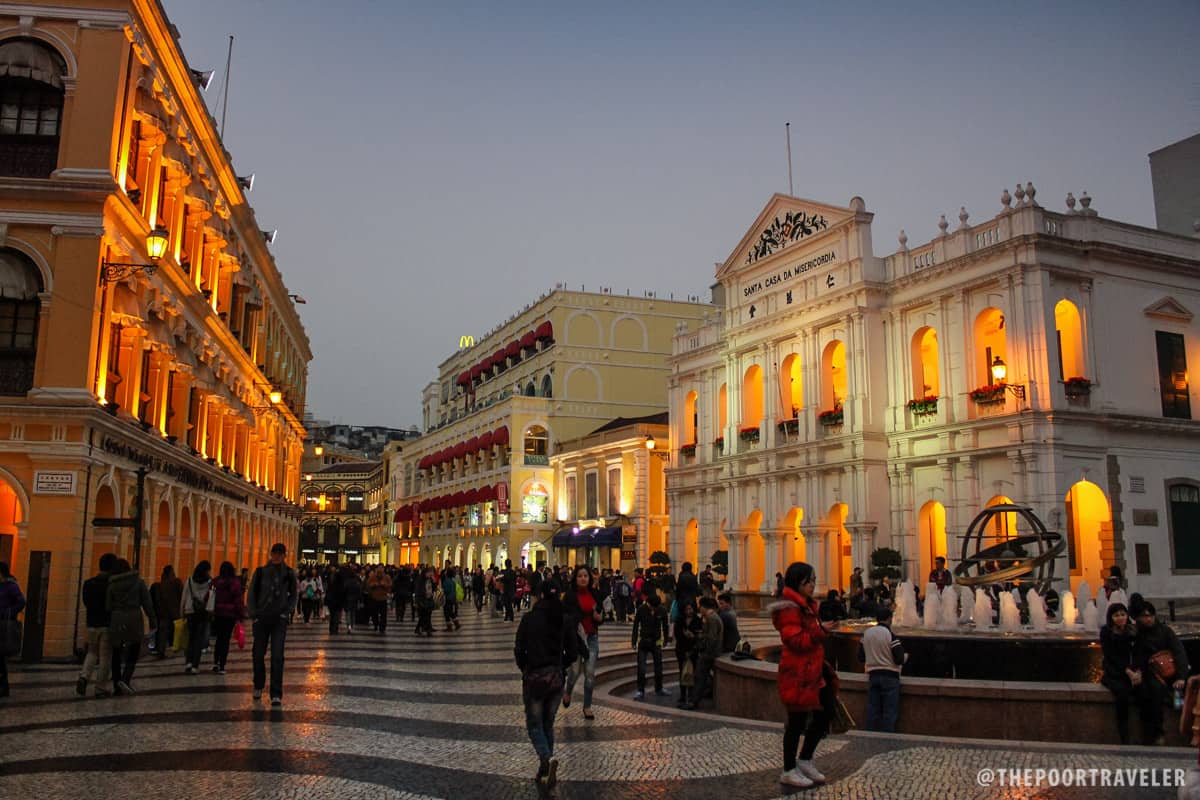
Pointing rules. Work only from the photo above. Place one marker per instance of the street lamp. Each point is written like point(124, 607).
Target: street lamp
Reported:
point(651, 444)
point(999, 373)
point(318, 450)
point(156, 247)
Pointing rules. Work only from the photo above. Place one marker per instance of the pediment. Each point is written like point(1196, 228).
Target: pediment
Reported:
point(1169, 308)
point(784, 223)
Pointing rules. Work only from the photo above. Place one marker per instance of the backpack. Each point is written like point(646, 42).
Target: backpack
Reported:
point(310, 592)
point(200, 604)
point(623, 589)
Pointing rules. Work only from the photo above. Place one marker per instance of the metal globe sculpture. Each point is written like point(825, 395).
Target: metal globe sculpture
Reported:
point(1026, 560)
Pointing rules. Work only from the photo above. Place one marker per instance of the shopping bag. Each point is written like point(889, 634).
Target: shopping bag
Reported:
point(239, 635)
point(180, 642)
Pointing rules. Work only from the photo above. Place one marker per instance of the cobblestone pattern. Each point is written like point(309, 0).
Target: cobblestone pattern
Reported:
point(400, 718)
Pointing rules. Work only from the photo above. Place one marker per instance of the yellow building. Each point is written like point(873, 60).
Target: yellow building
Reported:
point(152, 366)
point(478, 487)
point(611, 494)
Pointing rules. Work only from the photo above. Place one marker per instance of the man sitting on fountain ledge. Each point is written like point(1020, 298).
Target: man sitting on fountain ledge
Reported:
point(883, 654)
point(939, 576)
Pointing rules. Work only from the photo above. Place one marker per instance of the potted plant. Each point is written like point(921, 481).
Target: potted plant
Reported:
point(719, 443)
point(720, 565)
point(834, 416)
point(885, 563)
point(660, 563)
point(789, 426)
point(923, 406)
point(748, 434)
point(1077, 386)
point(688, 449)
point(988, 395)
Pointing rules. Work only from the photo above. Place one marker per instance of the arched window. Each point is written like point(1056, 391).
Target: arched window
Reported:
point(691, 421)
point(530, 390)
point(1069, 331)
point(547, 386)
point(791, 387)
point(925, 364)
point(537, 443)
point(31, 101)
point(752, 397)
point(355, 500)
point(333, 500)
point(833, 376)
point(20, 284)
point(990, 344)
point(722, 409)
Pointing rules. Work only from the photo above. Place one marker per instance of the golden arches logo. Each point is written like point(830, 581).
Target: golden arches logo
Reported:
point(466, 341)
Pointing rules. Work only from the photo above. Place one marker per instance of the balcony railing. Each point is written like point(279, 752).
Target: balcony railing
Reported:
point(536, 461)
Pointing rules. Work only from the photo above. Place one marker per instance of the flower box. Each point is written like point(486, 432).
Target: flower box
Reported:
point(1077, 387)
point(924, 406)
point(988, 395)
point(834, 416)
point(719, 444)
point(687, 450)
point(789, 426)
point(748, 434)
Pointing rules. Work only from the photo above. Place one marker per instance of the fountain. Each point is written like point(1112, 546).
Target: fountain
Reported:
point(966, 600)
point(983, 610)
point(1083, 595)
point(906, 606)
point(1010, 615)
point(1091, 617)
point(1070, 614)
point(932, 606)
point(948, 612)
point(1101, 610)
point(1037, 610)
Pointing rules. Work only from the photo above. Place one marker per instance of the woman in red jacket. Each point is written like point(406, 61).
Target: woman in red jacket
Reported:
point(802, 688)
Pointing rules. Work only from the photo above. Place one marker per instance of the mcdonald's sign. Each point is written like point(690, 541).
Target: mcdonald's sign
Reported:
point(466, 341)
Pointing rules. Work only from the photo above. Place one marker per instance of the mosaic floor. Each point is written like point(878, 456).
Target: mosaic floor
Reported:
point(369, 716)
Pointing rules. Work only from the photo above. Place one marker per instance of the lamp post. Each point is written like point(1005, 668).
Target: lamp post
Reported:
point(156, 247)
point(1000, 372)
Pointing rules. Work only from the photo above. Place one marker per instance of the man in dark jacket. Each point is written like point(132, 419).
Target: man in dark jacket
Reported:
point(708, 647)
point(651, 630)
point(508, 579)
point(545, 646)
point(730, 635)
point(272, 596)
point(127, 600)
point(687, 589)
point(167, 595)
point(402, 591)
point(99, 651)
point(1155, 687)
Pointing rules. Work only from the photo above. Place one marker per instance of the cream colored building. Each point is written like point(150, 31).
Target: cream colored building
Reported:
point(844, 401)
point(479, 486)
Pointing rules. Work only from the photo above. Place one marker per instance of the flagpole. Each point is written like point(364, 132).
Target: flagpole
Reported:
point(788, 128)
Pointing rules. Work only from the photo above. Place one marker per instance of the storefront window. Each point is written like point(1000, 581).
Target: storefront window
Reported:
point(535, 504)
point(473, 516)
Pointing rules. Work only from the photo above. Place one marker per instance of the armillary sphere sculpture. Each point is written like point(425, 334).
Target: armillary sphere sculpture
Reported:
point(1013, 566)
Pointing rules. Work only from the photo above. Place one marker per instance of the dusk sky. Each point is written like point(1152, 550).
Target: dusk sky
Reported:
point(432, 168)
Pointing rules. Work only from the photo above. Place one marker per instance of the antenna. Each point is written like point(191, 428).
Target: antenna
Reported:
point(788, 129)
point(225, 90)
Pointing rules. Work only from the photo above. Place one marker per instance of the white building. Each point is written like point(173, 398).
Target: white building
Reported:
point(842, 401)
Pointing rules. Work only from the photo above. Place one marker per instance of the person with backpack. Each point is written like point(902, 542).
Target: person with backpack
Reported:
point(311, 592)
point(451, 589)
point(272, 595)
point(195, 607)
point(166, 595)
point(352, 587)
point(97, 663)
point(228, 610)
point(545, 646)
point(126, 599)
point(622, 593)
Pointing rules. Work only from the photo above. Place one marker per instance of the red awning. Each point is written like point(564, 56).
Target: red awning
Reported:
point(476, 371)
point(464, 379)
point(499, 358)
point(486, 493)
point(544, 331)
point(470, 497)
point(485, 441)
point(416, 509)
point(423, 463)
point(528, 341)
point(456, 451)
point(403, 514)
point(500, 435)
point(458, 499)
point(513, 350)
point(473, 445)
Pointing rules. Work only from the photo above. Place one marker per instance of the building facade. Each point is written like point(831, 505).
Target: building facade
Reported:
point(844, 402)
point(610, 492)
point(479, 487)
point(344, 514)
point(152, 367)
point(1175, 176)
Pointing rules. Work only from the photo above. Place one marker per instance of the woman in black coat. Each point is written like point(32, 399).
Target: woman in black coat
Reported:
point(545, 647)
point(1117, 639)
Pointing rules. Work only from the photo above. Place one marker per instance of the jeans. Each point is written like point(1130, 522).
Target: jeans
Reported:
point(164, 635)
point(98, 659)
point(478, 602)
point(424, 620)
point(335, 615)
point(125, 658)
point(645, 650)
point(883, 700)
point(379, 614)
point(309, 607)
point(588, 667)
point(450, 612)
point(539, 721)
point(223, 628)
point(401, 604)
point(273, 630)
point(197, 626)
point(508, 606)
point(813, 724)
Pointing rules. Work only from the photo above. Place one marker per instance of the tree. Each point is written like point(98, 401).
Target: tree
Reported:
point(660, 563)
point(885, 563)
point(720, 565)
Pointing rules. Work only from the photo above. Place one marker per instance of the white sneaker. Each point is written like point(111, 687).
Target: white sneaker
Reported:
point(807, 769)
point(793, 777)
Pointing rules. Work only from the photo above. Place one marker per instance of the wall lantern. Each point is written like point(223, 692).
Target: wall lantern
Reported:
point(156, 247)
point(999, 373)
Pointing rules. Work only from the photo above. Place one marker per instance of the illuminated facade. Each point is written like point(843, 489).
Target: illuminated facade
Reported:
point(194, 371)
point(479, 486)
point(343, 513)
point(844, 402)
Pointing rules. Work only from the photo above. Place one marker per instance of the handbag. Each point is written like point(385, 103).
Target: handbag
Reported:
point(239, 634)
point(687, 675)
point(1162, 664)
point(541, 682)
point(179, 642)
point(840, 721)
point(10, 637)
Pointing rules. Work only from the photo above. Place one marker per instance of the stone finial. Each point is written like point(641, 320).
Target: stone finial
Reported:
point(1070, 203)
point(1086, 202)
point(1019, 193)
point(904, 236)
point(1005, 198)
point(1030, 192)
point(963, 216)
point(943, 225)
